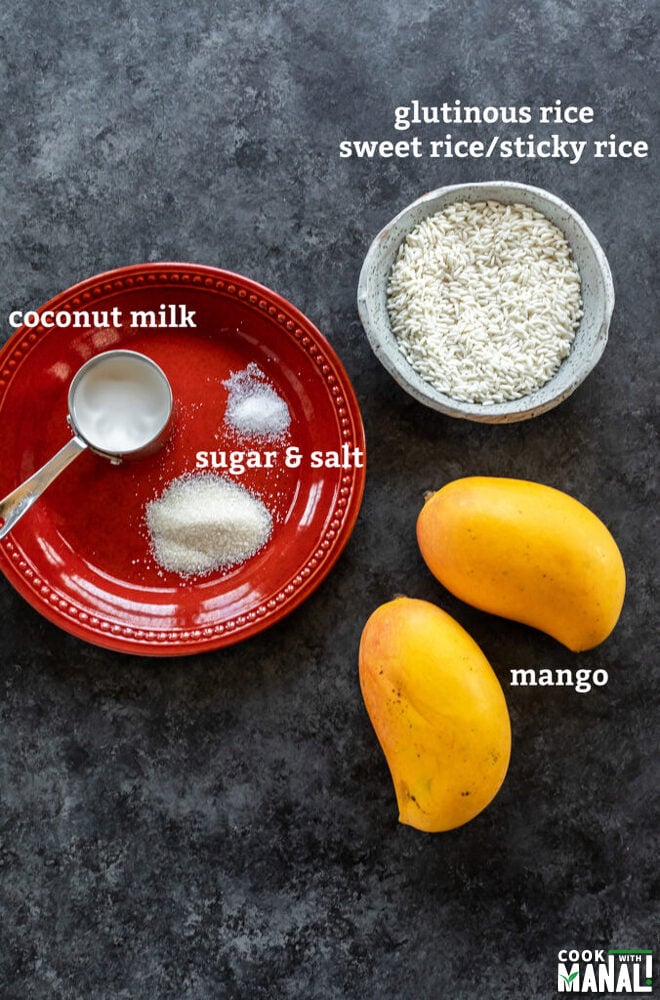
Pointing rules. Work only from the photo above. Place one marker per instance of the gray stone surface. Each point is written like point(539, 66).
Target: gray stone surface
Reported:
point(223, 825)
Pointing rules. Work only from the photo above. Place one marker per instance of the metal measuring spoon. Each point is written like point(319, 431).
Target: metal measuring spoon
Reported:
point(120, 407)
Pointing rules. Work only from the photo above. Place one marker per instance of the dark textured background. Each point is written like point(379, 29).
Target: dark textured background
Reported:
point(223, 825)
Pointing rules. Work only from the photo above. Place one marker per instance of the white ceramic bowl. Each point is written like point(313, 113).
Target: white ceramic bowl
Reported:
point(590, 337)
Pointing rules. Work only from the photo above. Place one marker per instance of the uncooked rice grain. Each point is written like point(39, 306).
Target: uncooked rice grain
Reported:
point(484, 300)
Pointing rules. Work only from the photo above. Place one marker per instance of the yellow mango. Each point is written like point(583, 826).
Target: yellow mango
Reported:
point(438, 711)
point(527, 552)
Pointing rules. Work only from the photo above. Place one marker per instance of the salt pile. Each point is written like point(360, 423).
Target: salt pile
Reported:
point(254, 409)
point(204, 522)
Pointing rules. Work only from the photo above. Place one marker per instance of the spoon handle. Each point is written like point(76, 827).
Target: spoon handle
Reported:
point(21, 499)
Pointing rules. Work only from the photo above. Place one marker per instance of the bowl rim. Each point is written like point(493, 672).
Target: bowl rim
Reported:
point(540, 400)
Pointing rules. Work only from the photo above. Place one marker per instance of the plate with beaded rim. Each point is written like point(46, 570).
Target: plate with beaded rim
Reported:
point(81, 556)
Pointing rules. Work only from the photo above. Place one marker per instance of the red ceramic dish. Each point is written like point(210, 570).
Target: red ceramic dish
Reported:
point(81, 555)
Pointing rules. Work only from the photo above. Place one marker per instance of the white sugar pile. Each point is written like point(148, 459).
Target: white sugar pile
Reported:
point(484, 300)
point(204, 522)
point(254, 409)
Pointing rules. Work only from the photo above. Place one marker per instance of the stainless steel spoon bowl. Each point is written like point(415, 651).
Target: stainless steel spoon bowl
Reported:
point(120, 407)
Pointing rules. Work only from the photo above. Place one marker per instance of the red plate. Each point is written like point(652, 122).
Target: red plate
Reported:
point(81, 556)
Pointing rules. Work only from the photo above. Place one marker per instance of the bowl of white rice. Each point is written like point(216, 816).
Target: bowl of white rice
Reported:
point(490, 302)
